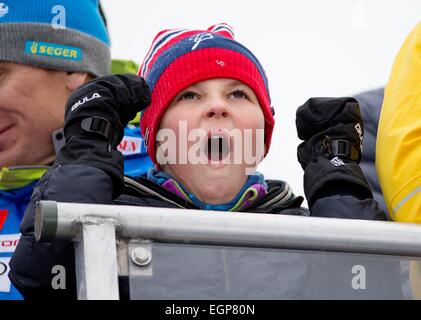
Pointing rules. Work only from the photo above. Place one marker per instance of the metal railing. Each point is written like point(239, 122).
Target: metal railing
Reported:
point(94, 229)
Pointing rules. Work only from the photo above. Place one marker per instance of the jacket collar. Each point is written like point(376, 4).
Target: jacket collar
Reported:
point(279, 196)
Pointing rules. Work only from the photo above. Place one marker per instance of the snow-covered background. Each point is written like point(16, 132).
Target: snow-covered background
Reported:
point(308, 48)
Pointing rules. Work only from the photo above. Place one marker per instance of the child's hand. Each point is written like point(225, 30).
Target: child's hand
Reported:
point(330, 127)
point(332, 131)
point(96, 115)
point(105, 105)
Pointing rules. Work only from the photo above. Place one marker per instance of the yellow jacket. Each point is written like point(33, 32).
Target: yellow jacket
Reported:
point(398, 151)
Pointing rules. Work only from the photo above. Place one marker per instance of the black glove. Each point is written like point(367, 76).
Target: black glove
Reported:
point(332, 130)
point(95, 117)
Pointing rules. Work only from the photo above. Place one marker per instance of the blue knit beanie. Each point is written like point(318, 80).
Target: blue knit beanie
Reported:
point(67, 35)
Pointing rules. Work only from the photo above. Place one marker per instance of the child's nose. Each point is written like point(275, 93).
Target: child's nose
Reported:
point(217, 109)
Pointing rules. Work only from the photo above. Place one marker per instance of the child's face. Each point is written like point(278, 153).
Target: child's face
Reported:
point(206, 113)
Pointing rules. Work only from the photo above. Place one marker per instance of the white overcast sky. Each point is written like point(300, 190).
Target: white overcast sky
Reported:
point(308, 48)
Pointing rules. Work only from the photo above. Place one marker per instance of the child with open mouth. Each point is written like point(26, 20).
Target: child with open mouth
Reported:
point(207, 122)
point(210, 121)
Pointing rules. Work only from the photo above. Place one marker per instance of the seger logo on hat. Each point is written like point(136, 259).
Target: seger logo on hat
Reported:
point(4, 9)
point(52, 50)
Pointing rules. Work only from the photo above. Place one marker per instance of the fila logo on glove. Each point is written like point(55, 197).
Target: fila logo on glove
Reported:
point(85, 99)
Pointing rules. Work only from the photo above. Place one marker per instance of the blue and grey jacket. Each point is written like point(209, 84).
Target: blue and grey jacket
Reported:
point(16, 186)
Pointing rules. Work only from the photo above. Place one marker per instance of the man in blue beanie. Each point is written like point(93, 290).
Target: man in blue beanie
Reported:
point(48, 48)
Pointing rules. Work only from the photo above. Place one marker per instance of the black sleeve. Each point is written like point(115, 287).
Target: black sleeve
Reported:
point(347, 207)
point(32, 263)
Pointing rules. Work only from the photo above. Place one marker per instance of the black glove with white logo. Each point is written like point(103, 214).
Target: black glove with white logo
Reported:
point(95, 117)
point(332, 130)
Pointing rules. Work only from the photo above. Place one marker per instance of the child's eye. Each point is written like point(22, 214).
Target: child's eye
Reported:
point(239, 94)
point(188, 95)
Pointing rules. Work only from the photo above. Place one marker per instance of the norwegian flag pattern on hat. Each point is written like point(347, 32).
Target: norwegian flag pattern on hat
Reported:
point(179, 58)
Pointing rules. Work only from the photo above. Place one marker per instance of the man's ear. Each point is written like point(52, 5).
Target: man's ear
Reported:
point(75, 79)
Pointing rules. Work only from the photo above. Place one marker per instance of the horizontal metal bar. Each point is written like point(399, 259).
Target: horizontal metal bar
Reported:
point(59, 221)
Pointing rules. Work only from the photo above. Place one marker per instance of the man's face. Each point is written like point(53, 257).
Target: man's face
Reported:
point(31, 107)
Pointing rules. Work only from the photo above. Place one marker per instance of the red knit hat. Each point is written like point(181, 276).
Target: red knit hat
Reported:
point(179, 58)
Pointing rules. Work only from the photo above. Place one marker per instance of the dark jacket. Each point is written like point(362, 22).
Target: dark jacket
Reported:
point(32, 262)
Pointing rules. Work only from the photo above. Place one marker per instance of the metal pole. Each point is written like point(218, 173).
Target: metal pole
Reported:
point(96, 261)
point(57, 221)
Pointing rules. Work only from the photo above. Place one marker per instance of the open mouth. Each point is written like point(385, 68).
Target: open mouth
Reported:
point(217, 147)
